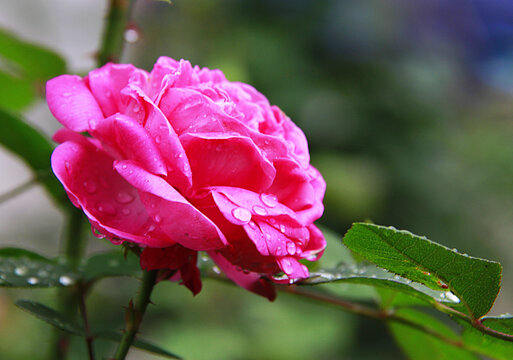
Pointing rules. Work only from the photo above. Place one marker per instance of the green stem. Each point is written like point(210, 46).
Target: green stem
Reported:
point(113, 34)
point(74, 244)
point(134, 313)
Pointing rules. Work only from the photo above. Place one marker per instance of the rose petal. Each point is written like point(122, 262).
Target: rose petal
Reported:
point(129, 139)
point(71, 102)
point(251, 281)
point(106, 198)
point(292, 268)
point(178, 218)
point(316, 244)
point(107, 82)
point(225, 160)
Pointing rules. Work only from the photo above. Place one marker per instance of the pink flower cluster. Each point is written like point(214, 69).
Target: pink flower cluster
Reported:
point(180, 160)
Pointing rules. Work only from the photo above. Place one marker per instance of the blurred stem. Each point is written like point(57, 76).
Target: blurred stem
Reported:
point(74, 244)
point(134, 313)
point(82, 290)
point(113, 38)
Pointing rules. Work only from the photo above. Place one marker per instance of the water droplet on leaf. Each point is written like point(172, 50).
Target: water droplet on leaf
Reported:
point(65, 280)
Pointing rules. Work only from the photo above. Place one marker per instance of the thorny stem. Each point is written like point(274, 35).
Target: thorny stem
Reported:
point(83, 311)
point(391, 316)
point(134, 313)
point(113, 34)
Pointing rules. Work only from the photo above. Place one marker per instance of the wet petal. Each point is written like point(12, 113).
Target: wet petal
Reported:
point(71, 102)
point(178, 218)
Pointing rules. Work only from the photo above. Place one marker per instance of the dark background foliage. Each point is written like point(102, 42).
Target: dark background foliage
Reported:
point(407, 109)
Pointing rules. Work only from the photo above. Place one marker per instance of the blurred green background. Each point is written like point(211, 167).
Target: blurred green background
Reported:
point(407, 109)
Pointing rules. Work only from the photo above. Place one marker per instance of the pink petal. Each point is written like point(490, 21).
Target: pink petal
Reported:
point(105, 197)
point(251, 281)
point(130, 140)
point(316, 244)
point(292, 268)
point(178, 218)
point(107, 82)
point(225, 160)
point(313, 212)
point(71, 102)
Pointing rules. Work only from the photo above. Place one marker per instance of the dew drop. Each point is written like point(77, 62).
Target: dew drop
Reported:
point(242, 214)
point(124, 166)
point(33, 280)
point(126, 211)
point(451, 297)
point(136, 108)
point(252, 224)
point(282, 228)
point(66, 94)
point(65, 280)
point(131, 35)
point(269, 199)
point(259, 210)
point(216, 269)
point(291, 248)
point(90, 186)
point(158, 218)
point(123, 197)
point(20, 271)
point(157, 139)
point(107, 209)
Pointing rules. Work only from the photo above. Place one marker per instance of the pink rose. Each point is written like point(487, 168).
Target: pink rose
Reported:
point(180, 160)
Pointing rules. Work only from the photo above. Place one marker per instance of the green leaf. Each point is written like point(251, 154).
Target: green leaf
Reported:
point(486, 344)
point(110, 264)
point(15, 93)
point(23, 268)
point(476, 282)
point(28, 60)
point(138, 343)
point(419, 345)
point(34, 149)
point(368, 274)
point(50, 316)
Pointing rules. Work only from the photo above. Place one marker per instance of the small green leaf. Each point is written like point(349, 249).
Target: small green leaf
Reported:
point(371, 275)
point(15, 93)
point(138, 343)
point(111, 264)
point(34, 149)
point(23, 268)
point(30, 61)
point(50, 316)
point(486, 344)
point(476, 282)
point(419, 345)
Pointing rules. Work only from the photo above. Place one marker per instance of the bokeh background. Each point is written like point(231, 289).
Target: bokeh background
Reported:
point(408, 110)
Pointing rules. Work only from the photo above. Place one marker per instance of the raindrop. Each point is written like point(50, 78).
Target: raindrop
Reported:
point(282, 228)
point(158, 218)
point(33, 280)
point(269, 199)
point(124, 166)
point(216, 269)
point(20, 271)
point(136, 108)
point(450, 296)
point(123, 197)
point(65, 280)
point(157, 139)
point(126, 211)
point(259, 210)
point(252, 224)
point(90, 186)
point(241, 214)
point(442, 296)
point(67, 94)
point(291, 248)
point(131, 35)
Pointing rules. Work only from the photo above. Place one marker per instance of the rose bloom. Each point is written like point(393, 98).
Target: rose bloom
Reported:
point(180, 160)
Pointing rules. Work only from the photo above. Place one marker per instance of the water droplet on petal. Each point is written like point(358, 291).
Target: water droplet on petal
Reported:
point(124, 166)
point(282, 228)
point(65, 280)
point(291, 247)
point(67, 94)
point(136, 108)
point(67, 166)
point(90, 186)
point(259, 210)
point(269, 200)
point(20, 271)
point(157, 139)
point(252, 224)
point(123, 197)
point(126, 211)
point(107, 209)
point(158, 218)
point(241, 214)
point(33, 280)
